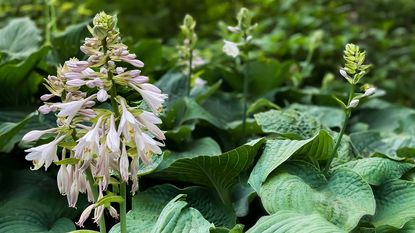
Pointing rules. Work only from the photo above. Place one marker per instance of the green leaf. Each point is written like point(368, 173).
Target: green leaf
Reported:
point(66, 44)
point(261, 104)
point(194, 111)
point(278, 151)
point(342, 200)
point(370, 142)
point(176, 218)
point(32, 204)
point(328, 116)
point(19, 39)
point(238, 228)
point(378, 170)
point(8, 132)
point(291, 222)
point(264, 75)
point(150, 51)
point(148, 206)
point(20, 76)
point(288, 123)
point(204, 164)
point(395, 203)
point(409, 227)
point(67, 161)
point(84, 231)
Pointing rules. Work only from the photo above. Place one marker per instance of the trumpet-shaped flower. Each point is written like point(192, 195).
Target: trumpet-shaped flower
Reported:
point(44, 154)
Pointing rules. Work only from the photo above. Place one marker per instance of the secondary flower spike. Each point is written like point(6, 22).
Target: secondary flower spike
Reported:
point(97, 140)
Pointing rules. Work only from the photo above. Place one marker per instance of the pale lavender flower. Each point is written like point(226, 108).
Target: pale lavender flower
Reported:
point(85, 215)
point(113, 138)
point(124, 164)
point(64, 184)
point(34, 135)
point(152, 96)
point(102, 95)
point(44, 154)
point(231, 48)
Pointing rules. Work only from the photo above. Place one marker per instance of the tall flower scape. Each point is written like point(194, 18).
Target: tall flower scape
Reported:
point(98, 140)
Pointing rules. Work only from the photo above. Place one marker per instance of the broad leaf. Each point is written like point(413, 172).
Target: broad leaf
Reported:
point(378, 170)
point(150, 207)
point(328, 116)
point(370, 142)
point(9, 131)
point(292, 222)
point(342, 200)
point(18, 39)
point(203, 164)
point(288, 123)
point(395, 203)
point(33, 204)
point(194, 111)
point(278, 151)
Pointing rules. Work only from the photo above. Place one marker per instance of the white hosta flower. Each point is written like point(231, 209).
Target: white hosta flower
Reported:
point(46, 97)
point(34, 135)
point(113, 212)
point(152, 96)
point(44, 154)
point(149, 120)
point(370, 91)
point(70, 109)
point(89, 143)
point(124, 164)
point(63, 180)
point(128, 124)
point(231, 49)
point(234, 29)
point(75, 82)
point(113, 138)
point(98, 213)
point(102, 95)
point(353, 103)
point(345, 75)
point(85, 215)
point(76, 65)
point(134, 178)
point(44, 109)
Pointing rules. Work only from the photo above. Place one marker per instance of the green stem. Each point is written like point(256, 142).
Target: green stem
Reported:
point(90, 178)
point(347, 114)
point(245, 87)
point(189, 75)
point(123, 207)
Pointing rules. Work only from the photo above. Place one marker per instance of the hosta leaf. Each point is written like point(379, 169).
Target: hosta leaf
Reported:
point(19, 38)
point(20, 76)
point(378, 170)
point(409, 227)
point(148, 206)
point(342, 200)
point(203, 164)
point(66, 44)
point(194, 111)
point(370, 142)
point(9, 131)
point(327, 116)
point(395, 203)
point(239, 228)
point(33, 204)
point(176, 217)
point(288, 123)
point(292, 222)
point(278, 151)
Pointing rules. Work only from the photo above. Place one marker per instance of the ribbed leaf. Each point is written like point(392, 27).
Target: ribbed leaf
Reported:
point(370, 142)
point(203, 164)
point(153, 210)
point(378, 170)
point(291, 222)
point(288, 123)
point(327, 116)
point(19, 38)
point(176, 217)
point(395, 203)
point(32, 204)
point(278, 151)
point(342, 200)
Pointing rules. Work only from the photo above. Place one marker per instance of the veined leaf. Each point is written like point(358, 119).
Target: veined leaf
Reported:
point(327, 116)
point(278, 151)
point(395, 203)
point(9, 130)
point(288, 123)
point(342, 200)
point(203, 164)
point(148, 207)
point(370, 142)
point(378, 170)
point(194, 111)
point(19, 38)
point(292, 222)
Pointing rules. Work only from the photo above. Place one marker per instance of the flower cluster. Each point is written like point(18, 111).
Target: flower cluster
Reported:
point(354, 70)
point(244, 28)
point(96, 140)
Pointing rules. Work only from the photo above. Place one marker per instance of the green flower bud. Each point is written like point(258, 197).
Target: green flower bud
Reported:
point(354, 59)
point(103, 23)
point(244, 19)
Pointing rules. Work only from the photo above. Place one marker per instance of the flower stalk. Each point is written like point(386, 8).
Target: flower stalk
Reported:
point(107, 141)
point(353, 71)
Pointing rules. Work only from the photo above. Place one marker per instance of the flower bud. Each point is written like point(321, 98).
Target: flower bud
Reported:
point(231, 49)
point(353, 103)
point(102, 95)
point(370, 91)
